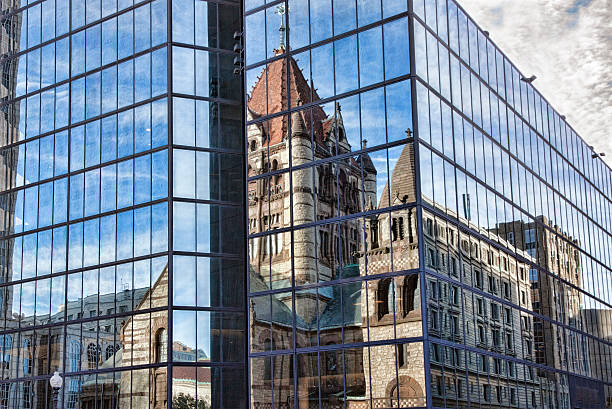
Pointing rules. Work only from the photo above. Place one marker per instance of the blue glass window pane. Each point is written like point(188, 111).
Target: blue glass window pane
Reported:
point(397, 55)
point(159, 175)
point(77, 148)
point(60, 200)
point(48, 61)
point(109, 85)
point(92, 143)
point(30, 209)
point(109, 138)
point(109, 41)
point(125, 184)
point(93, 41)
point(59, 249)
point(398, 110)
point(77, 97)
point(45, 200)
point(370, 57)
point(159, 222)
point(142, 83)
point(92, 102)
point(47, 113)
point(108, 7)
point(142, 128)
point(48, 20)
point(142, 182)
point(107, 238)
point(92, 192)
point(298, 21)
point(125, 76)
point(125, 34)
point(76, 196)
point(159, 77)
point(159, 110)
point(125, 133)
point(108, 200)
point(345, 55)
point(125, 235)
point(183, 70)
point(142, 28)
point(91, 244)
point(75, 246)
point(77, 53)
point(142, 231)
point(183, 19)
point(184, 124)
point(158, 22)
point(184, 226)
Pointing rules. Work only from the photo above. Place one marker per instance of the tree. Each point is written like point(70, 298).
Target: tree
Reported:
point(182, 401)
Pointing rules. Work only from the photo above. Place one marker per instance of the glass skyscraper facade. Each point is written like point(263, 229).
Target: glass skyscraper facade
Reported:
point(122, 239)
point(424, 229)
point(291, 204)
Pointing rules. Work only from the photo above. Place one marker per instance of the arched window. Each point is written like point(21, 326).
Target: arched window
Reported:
point(74, 356)
point(110, 351)
point(93, 354)
point(253, 145)
point(408, 293)
point(161, 345)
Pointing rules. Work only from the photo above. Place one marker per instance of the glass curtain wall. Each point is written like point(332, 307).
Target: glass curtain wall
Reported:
point(515, 230)
point(118, 121)
point(334, 291)
point(457, 257)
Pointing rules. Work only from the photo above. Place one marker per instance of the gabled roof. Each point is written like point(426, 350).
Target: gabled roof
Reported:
point(280, 85)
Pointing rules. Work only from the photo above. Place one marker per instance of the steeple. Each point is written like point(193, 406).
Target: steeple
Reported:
point(280, 10)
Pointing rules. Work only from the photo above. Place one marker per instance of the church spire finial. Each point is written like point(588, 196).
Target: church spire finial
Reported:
point(280, 10)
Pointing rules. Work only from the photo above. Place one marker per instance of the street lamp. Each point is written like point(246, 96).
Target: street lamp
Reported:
point(56, 382)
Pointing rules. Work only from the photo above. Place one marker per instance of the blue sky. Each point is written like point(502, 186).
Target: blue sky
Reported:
point(568, 45)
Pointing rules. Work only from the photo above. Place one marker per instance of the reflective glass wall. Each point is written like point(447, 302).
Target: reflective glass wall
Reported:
point(516, 230)
point(334, 290)
point(424, 229)
point(121, 239)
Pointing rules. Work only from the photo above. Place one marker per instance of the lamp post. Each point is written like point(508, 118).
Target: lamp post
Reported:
point(56, 382)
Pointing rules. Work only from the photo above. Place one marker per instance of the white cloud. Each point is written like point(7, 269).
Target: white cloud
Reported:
point(568, 45)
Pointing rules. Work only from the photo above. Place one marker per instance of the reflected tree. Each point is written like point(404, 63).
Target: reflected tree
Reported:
point(182, 401)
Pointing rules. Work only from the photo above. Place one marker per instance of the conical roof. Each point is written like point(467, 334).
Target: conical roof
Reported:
point(298, 127)
point(281, 82)
point(402, 178)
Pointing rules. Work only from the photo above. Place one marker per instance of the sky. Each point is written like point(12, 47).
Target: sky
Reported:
point(567, 44)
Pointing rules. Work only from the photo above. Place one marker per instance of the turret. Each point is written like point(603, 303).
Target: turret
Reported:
point(303, 202)
point(369, 181)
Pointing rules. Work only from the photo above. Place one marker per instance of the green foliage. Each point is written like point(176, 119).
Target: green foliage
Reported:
point(182, 401)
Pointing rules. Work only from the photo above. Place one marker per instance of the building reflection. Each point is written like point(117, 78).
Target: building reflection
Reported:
point(357, 313)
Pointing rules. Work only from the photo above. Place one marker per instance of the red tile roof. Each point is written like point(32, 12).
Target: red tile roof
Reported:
point(270, 95)
point(189, 373)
